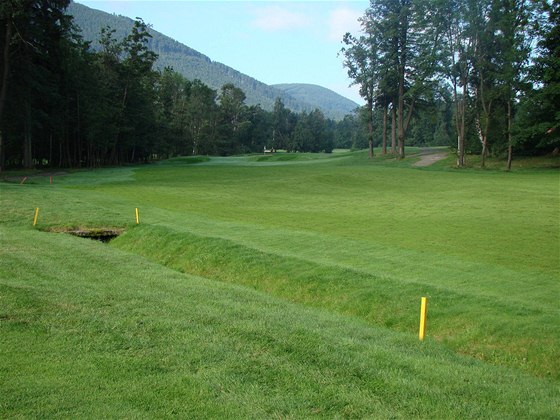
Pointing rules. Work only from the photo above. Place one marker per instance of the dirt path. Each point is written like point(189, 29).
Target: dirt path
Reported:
point(429, 156)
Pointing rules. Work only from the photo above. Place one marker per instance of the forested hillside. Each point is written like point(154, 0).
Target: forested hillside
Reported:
point(194, 65)
point(331, 103)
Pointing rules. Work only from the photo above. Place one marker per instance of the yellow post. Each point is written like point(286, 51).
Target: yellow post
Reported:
point(36, 216)
point(423, 310)
point(137, 216)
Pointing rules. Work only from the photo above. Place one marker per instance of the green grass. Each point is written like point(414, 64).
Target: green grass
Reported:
point(518, 164)
point(282, 288)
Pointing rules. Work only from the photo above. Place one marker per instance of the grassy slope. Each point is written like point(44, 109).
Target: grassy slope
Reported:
point(89, 331)
point(298, 232)
point(487, 254)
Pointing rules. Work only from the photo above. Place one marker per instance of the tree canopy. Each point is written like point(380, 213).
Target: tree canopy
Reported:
point(482, 76)
point(467, 64)
point(65, 104)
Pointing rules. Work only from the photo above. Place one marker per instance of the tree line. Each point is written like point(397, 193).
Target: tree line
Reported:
point(63, 104)
point(485, 72)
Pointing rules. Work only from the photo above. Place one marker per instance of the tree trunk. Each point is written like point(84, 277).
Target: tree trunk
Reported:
point(484, 152)
point(4, 87)
point(403, 121)
point(78, 140)
point(370, 127)
point(1, 150)
point(50, 151)
point(400, 120)
point(462, 134)
point(113, 157)
point(393, 130)
point(69, 159)
point(482, 135)
point(384, 146)
point(6, 69)
point(27, 139)
point(403, 126)
point(510, 146)
point(487, 109)
point(460, 122)
point(460, 158)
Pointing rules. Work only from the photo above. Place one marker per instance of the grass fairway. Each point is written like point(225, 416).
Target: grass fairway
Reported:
point(282, 286)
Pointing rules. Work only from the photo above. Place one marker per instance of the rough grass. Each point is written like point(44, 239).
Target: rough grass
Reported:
point(469, 320)
point(349, 242)
point(91, 331)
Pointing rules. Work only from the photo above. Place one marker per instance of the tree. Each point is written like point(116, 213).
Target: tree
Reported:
point(457, 22)
point(322, 137)
point(501, 49)
point(350, 133)
point(363, 66)
point(8, 11)
point(121, 99)
point(283, 123)
point(514, 45)
point(302, 134)
point(538, 119)
point(259, 131)
point(173, 92)
point(138, 94)
point(32, 34)
point(233, 120)
point(201, 121)
point(396, 57)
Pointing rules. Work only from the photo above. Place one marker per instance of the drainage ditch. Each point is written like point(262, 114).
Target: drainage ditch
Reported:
point(98, 234)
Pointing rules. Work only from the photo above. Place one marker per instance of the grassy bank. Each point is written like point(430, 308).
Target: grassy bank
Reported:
point(90, 331)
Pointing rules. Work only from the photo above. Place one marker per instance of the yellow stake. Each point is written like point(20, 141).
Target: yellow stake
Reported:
point(137, 216)
point(423, 311)
point(36, 215)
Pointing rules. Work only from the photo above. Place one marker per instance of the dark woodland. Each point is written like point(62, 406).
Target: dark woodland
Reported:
point(479, 76)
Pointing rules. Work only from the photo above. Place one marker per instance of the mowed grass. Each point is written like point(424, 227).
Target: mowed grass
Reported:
point(305, 300)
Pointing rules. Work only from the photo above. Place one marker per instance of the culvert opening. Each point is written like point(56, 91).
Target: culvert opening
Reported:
point(102, 235)
point(98, 234)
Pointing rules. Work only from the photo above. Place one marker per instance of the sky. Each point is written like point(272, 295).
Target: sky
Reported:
point(273, 41)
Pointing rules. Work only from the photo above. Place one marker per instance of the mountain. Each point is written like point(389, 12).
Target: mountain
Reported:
point(319, 97)
point(195, 65)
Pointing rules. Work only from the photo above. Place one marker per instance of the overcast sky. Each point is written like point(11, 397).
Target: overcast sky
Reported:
point(272, 41)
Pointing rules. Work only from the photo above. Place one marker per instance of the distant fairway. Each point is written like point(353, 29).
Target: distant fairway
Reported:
point(282, 286)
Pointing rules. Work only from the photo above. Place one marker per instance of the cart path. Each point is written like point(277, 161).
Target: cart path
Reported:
point(429, 156)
